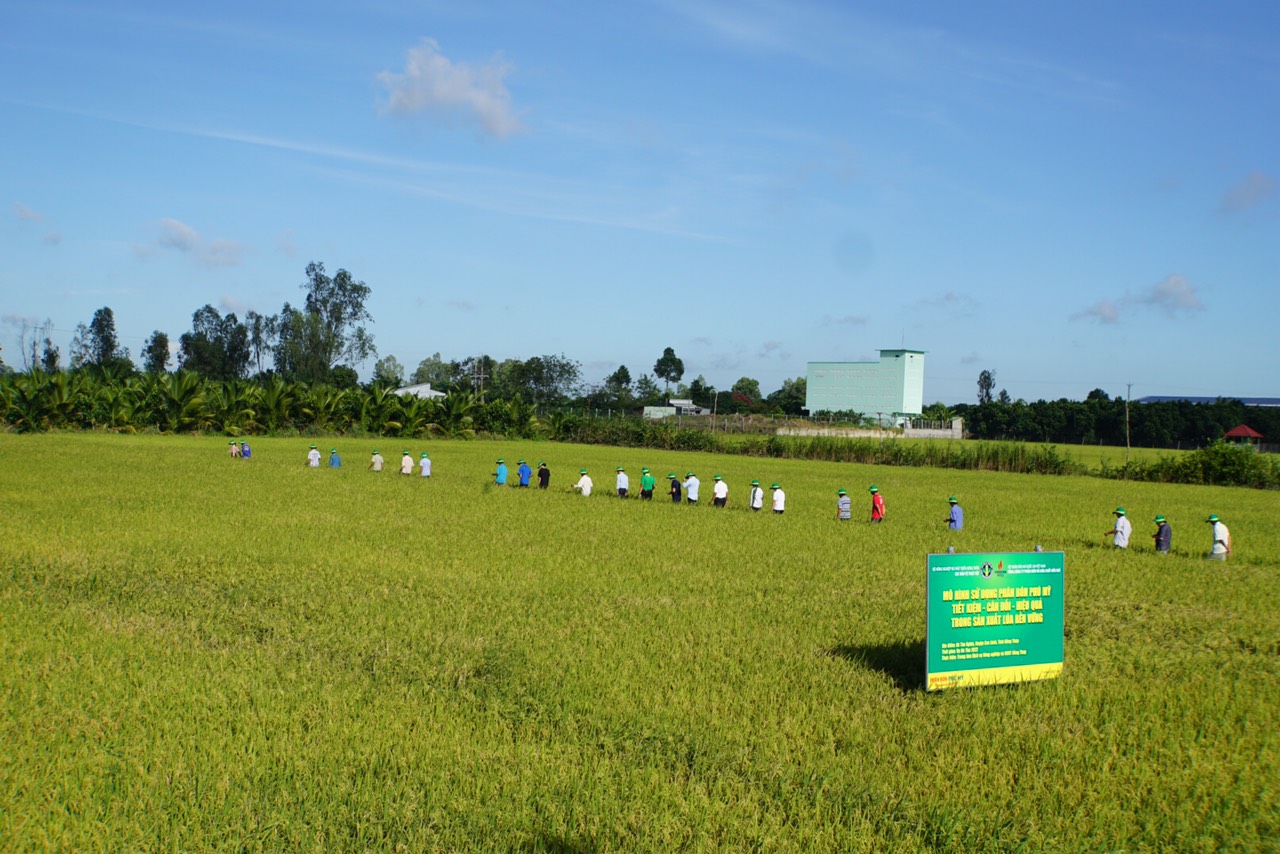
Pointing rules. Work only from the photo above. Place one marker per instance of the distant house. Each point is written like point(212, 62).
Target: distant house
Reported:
point(423, 390)
point(1243, 435)
point(674, 407)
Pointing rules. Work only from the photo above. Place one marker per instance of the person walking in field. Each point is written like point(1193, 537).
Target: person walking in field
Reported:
point(234, 449)
point(1221, 538)
point(955, 518)
point(844, 506)
point(779, 499)
point(544, 476)
point(313, 457)
point(675, 488)
point(623, 483)
point(375, 462)
point(1122, 530)
point(500, 474)
point(424, 465)
point(524, 473)
point(1163, 536)
point(756, 499)
point(406, 462)
point(245, 451)
point(877, 504)
point(719, 492)
point(647, 483)
point(691, 485)
point(335, 461)
point(584, 483)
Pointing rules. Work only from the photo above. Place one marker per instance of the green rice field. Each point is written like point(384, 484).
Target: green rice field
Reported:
point(202, 654)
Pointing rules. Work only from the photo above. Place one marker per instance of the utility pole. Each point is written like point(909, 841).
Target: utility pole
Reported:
point(1128, 394)
point(478, 376)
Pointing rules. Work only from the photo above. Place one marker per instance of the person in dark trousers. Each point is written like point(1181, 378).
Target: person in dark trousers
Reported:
point(1163, 536)
point(544, 476)
point(675, 488)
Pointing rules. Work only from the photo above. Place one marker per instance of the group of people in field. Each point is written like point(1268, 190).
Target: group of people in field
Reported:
point(1122, 530)
point(688, 490)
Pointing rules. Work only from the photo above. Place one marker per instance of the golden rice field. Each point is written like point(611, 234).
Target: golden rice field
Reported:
point(207, 654)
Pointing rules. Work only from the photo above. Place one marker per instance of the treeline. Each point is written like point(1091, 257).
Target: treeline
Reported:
point(1101, 420)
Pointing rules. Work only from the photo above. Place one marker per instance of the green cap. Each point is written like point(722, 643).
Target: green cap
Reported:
point(405, 451)
point(313, 444)
point(952, 500)
point(688, 474)
point(540, 463)
point(501, 460)
point(840, 492)
point(645, 470)
point(582, 471)
point(1119, 511)
point(333, 450)
point(521, 462)
point(716, 477)
point(776, 486)
point(619, 468)
point(874, 488)
point(1158, 519)
point(424, 455)
point(1213, 517)
point(233, 441)
point(375, 450)
point(755, 483)
point(671, 475)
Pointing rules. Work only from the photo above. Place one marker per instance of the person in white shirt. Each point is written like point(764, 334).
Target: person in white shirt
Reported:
point(756, 499)
point(779, 499)
point(313, 457)
point(691, 488)
point(719, 492)
point(406, 462)
point(1221, 538)
point(425, 464)
point(1121, 531)
point(624, 483)
point(375, 462)
point(584, 483)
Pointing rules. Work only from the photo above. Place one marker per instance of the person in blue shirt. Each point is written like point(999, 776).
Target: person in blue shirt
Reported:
point(500, 476)
point(844, 506)
point(245, 451)
point(335, 461)
point(955, 519)
point(524, 473)
point(1163, 535)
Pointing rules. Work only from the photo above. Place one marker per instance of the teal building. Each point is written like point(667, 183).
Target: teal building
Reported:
point(891, 386)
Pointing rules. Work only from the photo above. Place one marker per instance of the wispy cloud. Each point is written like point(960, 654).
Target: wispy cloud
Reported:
point(434, 85)
point(957, 305)
point(845, 320)
point(1172, 296)
point(1250, 191)
point(53, 238)
point(175, 235)
point(26, 214)
point(772, 349)
point(462, 305)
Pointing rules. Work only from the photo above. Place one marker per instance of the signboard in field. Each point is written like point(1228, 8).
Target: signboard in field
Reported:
point(993, 618)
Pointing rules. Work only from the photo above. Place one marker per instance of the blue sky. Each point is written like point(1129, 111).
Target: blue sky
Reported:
point(1072, 195)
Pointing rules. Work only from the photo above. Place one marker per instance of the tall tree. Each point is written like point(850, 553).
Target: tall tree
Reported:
point(389, 371)
point(104, 344)
point(434, 371)
point(669, 369)
point(50, 359)
point(263, 330)
point(790, 398)
point(155, 354)
point(986, 383)
point(217, 347)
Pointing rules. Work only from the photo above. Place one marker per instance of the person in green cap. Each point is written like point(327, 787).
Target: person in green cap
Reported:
point(647, 483)
point(877, 504)
point(375, 461)
point(691, 484)
point(234, 448)
point(779, 499)
point(424, 464)
point(756, 498)
point(335, 461)
point(1122, 529)
point(313, 457)
point(523, 474)
point(623, 483)
point(1221, 538)
point(719, 492)
point(955, 518)
point(500, 473)
point(584, 483)
point(844, 507)
point(1163, 536)
point(544, 476)
point(675, 487)
point(406, 462)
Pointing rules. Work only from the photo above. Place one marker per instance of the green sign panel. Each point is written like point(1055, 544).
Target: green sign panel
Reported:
point(993, 618)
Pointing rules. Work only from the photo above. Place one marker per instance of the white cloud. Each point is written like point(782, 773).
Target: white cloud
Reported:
point(1172, 296)
point(180, 237)
point(433, 84)
point(1250, 191)
point(229, 303)
point(26, 214)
